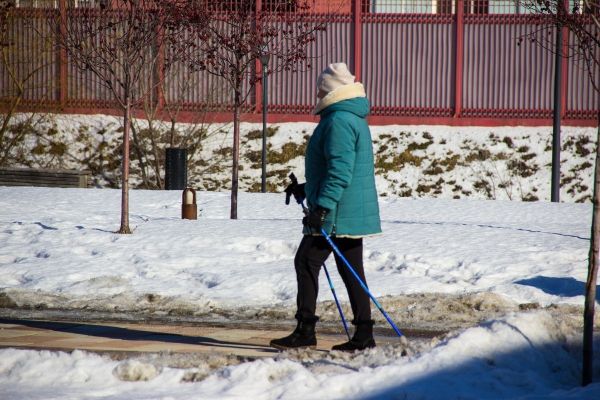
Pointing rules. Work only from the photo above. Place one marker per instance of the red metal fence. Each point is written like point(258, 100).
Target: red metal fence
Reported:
point(452, 62)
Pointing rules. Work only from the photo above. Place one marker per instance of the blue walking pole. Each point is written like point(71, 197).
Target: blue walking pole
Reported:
point(362, 284)
point(337, 303)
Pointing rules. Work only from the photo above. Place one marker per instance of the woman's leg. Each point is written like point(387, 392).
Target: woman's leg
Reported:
point(311, 254)
point(352, 249)
point(359, 299)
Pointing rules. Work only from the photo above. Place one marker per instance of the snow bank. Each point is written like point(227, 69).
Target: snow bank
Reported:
point(522, 356)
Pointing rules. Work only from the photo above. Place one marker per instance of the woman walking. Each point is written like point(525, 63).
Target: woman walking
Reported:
point(342, 199)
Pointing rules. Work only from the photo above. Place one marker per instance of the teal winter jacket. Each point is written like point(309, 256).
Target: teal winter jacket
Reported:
point(339, 168)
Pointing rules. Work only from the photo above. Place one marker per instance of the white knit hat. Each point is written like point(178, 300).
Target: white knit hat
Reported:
point(334, 76)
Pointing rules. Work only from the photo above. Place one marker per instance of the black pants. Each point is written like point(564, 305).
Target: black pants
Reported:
point(311, 254)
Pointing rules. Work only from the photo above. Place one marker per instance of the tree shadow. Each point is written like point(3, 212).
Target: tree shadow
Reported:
point(115, 332)
point(563, 286)
point(488, 226)
point(46, 227)
point(530, 370)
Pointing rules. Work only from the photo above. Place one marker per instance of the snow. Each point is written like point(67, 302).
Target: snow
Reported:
point(505, 277)
point(61, 243)
point(470, 162)
point(483, 260)
point(523, 356)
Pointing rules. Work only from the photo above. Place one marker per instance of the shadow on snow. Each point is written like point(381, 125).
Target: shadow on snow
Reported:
point(528, 371)
point(563, 286)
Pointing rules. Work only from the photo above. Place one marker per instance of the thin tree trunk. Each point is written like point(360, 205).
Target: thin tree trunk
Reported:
point(140, 156)
point(9, 114)
point(155, 151)
point(13, 107)
point(590, 287)
point(5, 124)
point(19, 84)
point(172, 133)
point(236, 154)
point(125, 166)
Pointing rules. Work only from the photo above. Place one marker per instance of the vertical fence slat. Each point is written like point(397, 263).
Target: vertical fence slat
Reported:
point(459, 59)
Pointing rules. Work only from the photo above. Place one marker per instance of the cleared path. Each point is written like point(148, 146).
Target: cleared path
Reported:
point(139, 337)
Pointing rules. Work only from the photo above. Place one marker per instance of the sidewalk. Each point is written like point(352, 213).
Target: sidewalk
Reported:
point(125, 337)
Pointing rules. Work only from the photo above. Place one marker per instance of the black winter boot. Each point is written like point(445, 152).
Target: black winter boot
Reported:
point(362, 339)
point(303, 336)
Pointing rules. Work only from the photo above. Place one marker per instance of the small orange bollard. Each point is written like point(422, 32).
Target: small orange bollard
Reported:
point(189, 210)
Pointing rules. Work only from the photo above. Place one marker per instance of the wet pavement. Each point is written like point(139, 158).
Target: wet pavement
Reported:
point(141, 338)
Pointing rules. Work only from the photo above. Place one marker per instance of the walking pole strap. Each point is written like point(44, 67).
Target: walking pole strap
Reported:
point(360, 281)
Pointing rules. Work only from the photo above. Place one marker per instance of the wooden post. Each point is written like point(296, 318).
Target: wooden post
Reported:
point(459, 56)
point(357, 12)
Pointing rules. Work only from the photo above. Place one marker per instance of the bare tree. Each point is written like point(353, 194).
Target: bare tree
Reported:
point(21, 68)
point(237, 35)
point(583, 22)
point(119, 46)
point(149, 142)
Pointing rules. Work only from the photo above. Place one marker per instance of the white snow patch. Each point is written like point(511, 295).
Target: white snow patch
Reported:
point(133, 370)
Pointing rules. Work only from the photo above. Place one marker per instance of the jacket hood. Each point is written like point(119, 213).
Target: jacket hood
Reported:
point(350, 98)
point(358, 106)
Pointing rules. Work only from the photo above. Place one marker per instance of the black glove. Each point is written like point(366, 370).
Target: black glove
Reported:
point(315, 218)
point(296, 190)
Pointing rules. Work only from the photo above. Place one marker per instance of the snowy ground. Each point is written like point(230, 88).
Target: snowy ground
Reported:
point(508, 276)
